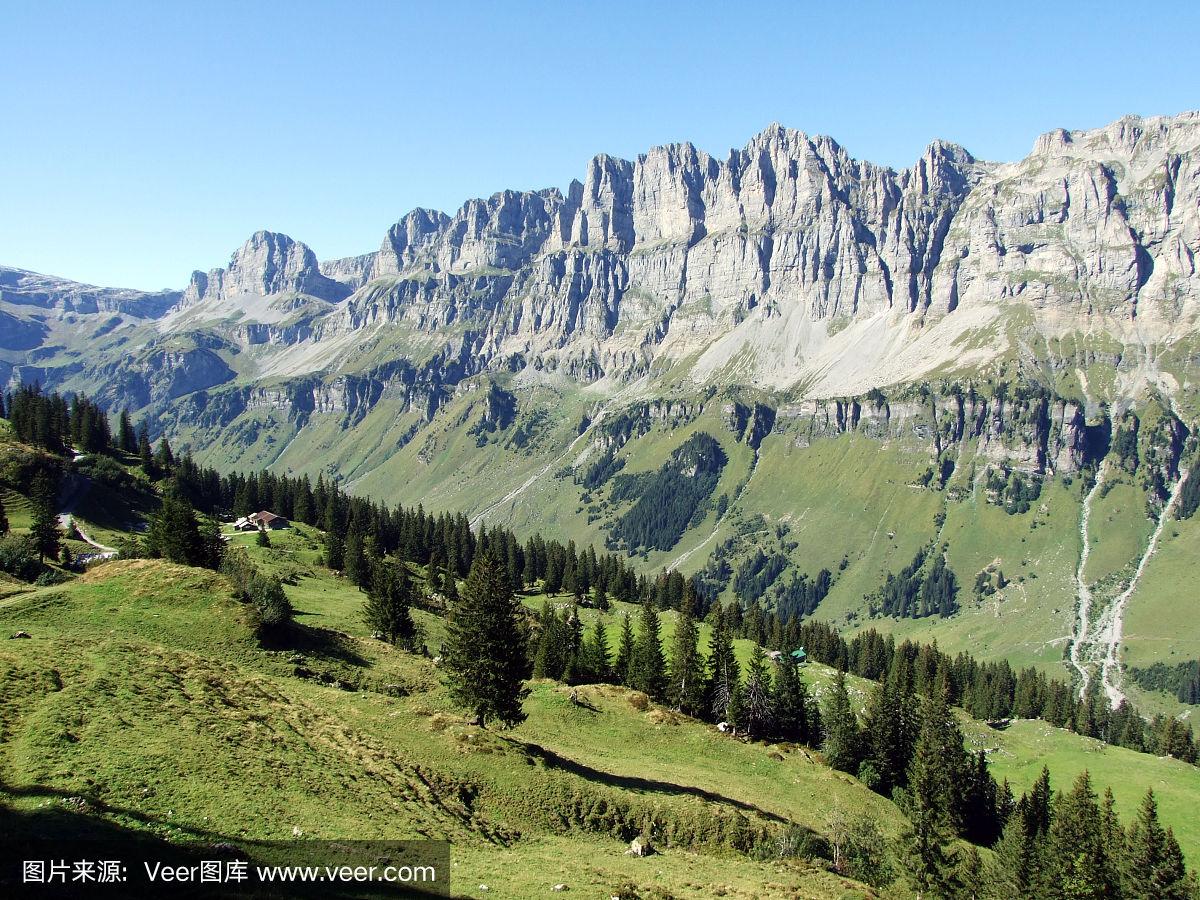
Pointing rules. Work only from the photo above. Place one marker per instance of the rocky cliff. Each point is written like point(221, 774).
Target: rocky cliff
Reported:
point(787, 265)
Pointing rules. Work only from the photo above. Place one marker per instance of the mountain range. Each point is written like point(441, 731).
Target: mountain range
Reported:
point(998, 359)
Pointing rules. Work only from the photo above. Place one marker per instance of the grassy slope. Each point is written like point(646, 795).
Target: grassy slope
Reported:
point(128, 659)
point(1020, 751)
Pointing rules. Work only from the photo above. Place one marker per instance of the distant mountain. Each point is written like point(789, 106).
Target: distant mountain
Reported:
point(961, 355)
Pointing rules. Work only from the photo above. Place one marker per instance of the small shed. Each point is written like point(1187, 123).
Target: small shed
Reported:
point(244, 524)
point(800, 656)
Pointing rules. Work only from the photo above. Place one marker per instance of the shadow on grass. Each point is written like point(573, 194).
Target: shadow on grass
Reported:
point(319, 643)
point(636, 783)
point(67, 829)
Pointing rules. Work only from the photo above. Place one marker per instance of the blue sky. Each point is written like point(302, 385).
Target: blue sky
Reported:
point(142, 141)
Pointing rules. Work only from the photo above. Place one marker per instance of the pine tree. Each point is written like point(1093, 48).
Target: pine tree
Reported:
point(335, 548)
point(262, 539)
point(354, 558)
point(1075, 850)
point(889, 731)
point(723, 670)
point(756, 704)
point(842, 737)
point(145, 453)
point(485, 656)
point(596, 653)
point(126, 437)
point(930, 802)
point(685, 672)
point(791, 702)
point(623, 670)
point(1154, 868)
point(164, 459)
point(388, 608)
point(44, 527)
point(647, 669)
point(550, 657)
point(3, 518)
point(574, 671)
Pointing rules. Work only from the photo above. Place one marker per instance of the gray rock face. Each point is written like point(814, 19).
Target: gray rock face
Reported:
point(788, 265)
point(267, 264)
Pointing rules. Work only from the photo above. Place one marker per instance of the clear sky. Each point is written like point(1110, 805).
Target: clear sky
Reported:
point(142, 141)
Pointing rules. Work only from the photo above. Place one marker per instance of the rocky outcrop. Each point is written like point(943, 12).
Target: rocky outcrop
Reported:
point(787, 265)
point(1033, 433)
point(267, 264)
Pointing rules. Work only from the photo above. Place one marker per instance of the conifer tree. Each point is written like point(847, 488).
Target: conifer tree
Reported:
point(549, 658)
point(3, 518)
point(335, 548)
point(755, 707)
point(842, 737)
point(354, 558)
point(485, 657)
point(596, 653)
point(44, 527)
point(388, 608)
point(791, 702)
point(685, 672)
point(647, 668)
point(164, 459)
point(126, 437)
point(1154, 868)
point(623, 670)
point(574, 672)
point(723, 669)
point(929, 802)
point(1076, 853)
point(145, 452)
point(889, 732)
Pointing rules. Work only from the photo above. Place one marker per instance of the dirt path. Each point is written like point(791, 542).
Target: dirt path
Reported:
point(1083, 592)
point(66, 520)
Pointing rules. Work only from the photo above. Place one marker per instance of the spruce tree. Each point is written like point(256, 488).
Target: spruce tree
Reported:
point(485, 656)
point(3, 519)
point(1078, 859)
point(929, 802)
point(723, 669)
point(354, 558)
point(889, 732)
point(648, 668)
point(791, 702)
point(145, 452)
point(756, 706)
point(44, 527)
point(335, 548)
point(164, 459)
point(1154, 868)
point(842, 736)
point(623, 670)
point(685, 672)
point(574, 672)
point(126, 437)
point(596, 653)
point(550, 658)
point(388, 608)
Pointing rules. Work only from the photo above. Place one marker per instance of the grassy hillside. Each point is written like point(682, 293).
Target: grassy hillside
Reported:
point(143, 692)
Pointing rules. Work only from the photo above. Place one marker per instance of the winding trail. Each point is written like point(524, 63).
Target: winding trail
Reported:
point(1112, 628)
point(1083, 592)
